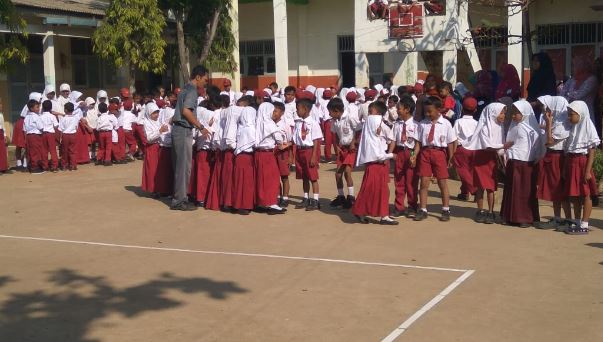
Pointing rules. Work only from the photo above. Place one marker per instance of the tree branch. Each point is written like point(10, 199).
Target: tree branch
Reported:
point(210, 34)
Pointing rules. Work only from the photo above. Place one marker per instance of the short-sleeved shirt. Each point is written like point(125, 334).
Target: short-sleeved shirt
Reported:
point(186, 99)
point(306, 131)
point(411, 133)
point(346, 127)
point(443, 133)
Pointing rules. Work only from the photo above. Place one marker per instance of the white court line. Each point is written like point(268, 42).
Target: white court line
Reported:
point(391, 337)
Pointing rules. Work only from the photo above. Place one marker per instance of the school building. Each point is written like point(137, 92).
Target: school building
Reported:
point(319, 42)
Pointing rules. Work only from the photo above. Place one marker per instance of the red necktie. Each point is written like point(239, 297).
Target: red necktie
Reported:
point(303, 132)
point(404, 132)
point(431, 133)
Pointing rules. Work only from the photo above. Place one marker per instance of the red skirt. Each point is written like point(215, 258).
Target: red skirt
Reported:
point(164, 178)
point(81, 145)
point(520, 204)
point(3, 153)
point(463, 162)
point(226, 177)
point(202, 174)
point(346, 157)
point(282, 159)
point(373, 197)
point(19, 139)
point(550, 185)
point(149, 168)
point(243, 192)
point(267, 178)
point(212, 200)
point(575, 182)
point(91, 137)
point(485, 169)
point(140, 136)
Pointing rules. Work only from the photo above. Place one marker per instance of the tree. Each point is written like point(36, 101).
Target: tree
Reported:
point(12, 48)
point(203, 30)
point(132, 34)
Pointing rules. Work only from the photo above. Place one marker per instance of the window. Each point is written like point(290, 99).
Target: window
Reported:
point(257, 57)
point(88, 69)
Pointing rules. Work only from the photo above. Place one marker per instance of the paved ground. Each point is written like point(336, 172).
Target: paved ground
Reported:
point(528, 285)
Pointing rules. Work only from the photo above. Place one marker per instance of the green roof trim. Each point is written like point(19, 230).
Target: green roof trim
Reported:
point(296, 2)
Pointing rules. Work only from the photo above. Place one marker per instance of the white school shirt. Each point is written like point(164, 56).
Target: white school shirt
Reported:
point(411, 133)
point(291, 112)
point(50, 122)
point(114, 136)
point(62, 101)
point(68, 124)
point(2, 124)
point(270, 141)
point(363, 111)
point(464, 128)
point(312, 129)
point(33, 123)
point(316, 113)
point(165, 115)
point(128, 119)
point(205, 116)
point(346, 127)
point(106, 122)
point(443, 133)
point(285, 129)
point(92, 117)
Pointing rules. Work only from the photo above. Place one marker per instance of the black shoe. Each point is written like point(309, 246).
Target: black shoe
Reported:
point(388, 222)
point(398, 213)
point(226, 209)
point(108, 163)
point(421, 215)
point(244, 212)
point(411, 213)
point(445, 216)
point(37, 172)
point(462, 197)
point(338, 201)
point(480, 216)
point(349, 202)
point(184, 206)
point(303, 204)
point(551, 224)
point(490, 218)
point(313, 205)
point(362, 219)
point(200, 204)
point(524, 225)
point(273, 211)
point(283, 203)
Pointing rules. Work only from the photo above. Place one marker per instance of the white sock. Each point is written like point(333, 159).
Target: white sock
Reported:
point(90, 155)
point(316, 196)
point(274, 206)
point(24, 162)
point(583, 224)
point(446, 208)
point(350, 190)
point(424, 209)
point(19, 164)
point(286, 198)
point(340, 191)
point(386, 218)
point(305, 195)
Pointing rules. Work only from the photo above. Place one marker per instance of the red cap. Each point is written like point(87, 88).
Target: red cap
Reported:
point(127, 104)
point(418, 87)
point(469, 104)
point(370, 94)
point(177, 91)
point(308, 95)
point(113, 107)
point(351, 96)
point(124, 92)
point(327, 94)
point(227, 83)
point(160, 103)
point(299, 94)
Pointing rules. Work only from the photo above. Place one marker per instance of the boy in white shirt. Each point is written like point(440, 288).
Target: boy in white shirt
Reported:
point(345, 127)
point(32, 127)
point(436, 140)
point(128, 119)
point(68, 127)
point(307, 136)
point(49, 137)
point(105, 125)
point(464, 128)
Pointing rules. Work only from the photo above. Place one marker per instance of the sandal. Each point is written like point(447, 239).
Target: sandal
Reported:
point(575, 230)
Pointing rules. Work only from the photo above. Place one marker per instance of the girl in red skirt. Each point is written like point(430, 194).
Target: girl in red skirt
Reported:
point(550, 185)
point(204, 154)
point(579, 177)
point(485, 144)
point(373, 197)
point(243, 191)
point(155, 168)
point(228, 144)
point(212, 200)
point(526, 147)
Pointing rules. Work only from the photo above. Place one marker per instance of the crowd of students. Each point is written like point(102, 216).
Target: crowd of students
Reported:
point(250, 140)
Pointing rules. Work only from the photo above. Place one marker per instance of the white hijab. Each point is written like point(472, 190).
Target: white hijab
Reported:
point(311, 89)
point(246, 134)
point(527, 136)
point(49, 89)
point(267, 126)
point(583, 135)
point(372, 146)
point(101, 94)
point(378, 88)
point(557, 105)
point(32, 96)
point(228, 126)
point(264, 112)
point(489, 132)
point(64, 87)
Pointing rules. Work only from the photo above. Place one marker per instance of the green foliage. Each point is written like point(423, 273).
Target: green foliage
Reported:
point(132, 32)
point(598, 164)
point(12, 48)
point(220, 56)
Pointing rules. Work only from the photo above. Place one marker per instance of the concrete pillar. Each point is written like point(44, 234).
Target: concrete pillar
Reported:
point(48, 56)
point(449, 65)
point(234, 14)
point(280, 42)
point(515, 31)
point(465, 36)
point(405, 68)
point(362, 70)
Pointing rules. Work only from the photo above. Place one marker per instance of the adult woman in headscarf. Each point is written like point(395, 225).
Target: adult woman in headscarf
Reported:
point(484, 89)
point(520, 205)
point(583, 86)
point(509, 85)
point(542, 81)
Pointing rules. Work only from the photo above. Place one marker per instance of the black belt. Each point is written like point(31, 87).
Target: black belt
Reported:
point(548, 150)
point(403, 148)
point(576, 154)
point(304, 147)
point(271, 150)
point(247, 153)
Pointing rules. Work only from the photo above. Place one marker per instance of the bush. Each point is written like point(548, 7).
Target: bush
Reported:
point(598, 164)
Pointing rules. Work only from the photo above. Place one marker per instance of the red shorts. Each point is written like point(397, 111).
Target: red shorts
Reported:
point(346, 157)
point(303, 170)
point(575, 182)
point(282, 158)
point(432, 162)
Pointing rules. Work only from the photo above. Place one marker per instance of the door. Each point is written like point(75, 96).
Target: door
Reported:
point(348, 69)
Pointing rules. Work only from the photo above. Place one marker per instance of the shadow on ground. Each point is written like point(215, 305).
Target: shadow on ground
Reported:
point(72, 302)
